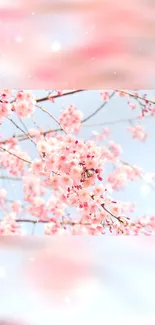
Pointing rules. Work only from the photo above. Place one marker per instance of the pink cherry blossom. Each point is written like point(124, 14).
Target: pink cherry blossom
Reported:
point(71, 119)
point(105, 95)
point(25, 104)
point(132, 105)
point(69, 183)
point(138, 132)
point(16, 207)
point(9, 226)
point(5, 109)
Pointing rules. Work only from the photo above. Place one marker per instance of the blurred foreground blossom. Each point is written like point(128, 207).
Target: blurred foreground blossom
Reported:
point(61, 267)
point(102, 43)
point(77, 279)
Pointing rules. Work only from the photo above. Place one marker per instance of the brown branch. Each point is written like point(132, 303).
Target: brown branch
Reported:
point(109, 212)
point(64, 223)
point(58, 95)
point(87, 118)
point(71, 223)
point(61, 129)
point(136, 96)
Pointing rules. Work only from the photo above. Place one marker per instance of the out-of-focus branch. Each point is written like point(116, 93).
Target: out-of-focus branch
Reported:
point(10, 178)
point(113, 122)
point(64, 223)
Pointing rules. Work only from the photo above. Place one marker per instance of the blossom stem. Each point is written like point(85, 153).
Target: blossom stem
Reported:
point(13, 154)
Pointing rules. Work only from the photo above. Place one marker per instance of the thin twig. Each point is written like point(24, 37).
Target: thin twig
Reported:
point(11, 178)
point(113, 122)
point(139, 175)
point(136, 96)
point(33, 228)
point(61, 129)
point(69, 223)
point(18, 127)
point(23, 124)
point(44, 110)
point(21, 138)
point(98, 109)
point(13, 154)
point(109, 212)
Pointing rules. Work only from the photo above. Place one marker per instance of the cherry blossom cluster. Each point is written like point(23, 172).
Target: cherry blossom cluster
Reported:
point(102, 135)
point(10, 159)
point(9, 226)
point(5, 106)
point(138, 132)
point(24, 104)
point(122, 174)
point(70, 119)
point(66, 187)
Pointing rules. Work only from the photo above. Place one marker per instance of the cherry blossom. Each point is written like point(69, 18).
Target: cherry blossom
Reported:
point(71, 119)
point(66, 184)
point(138, 132)
point(5, 109)
point(9, 226)
point(25, 104)
point(105, 95)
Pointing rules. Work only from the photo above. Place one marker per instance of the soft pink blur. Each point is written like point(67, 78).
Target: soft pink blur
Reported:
point(60, 267)
point(9, 321)
point(114, 47)
point(114, 277)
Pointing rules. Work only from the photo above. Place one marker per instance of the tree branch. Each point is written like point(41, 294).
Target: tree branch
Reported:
point(136, 96)
point(98, 109)
point(21, 138)
point(45, 111)
point(18, 127)
point(13, 154)
point(64, 223)
point(43, 99)
point(11, 178)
